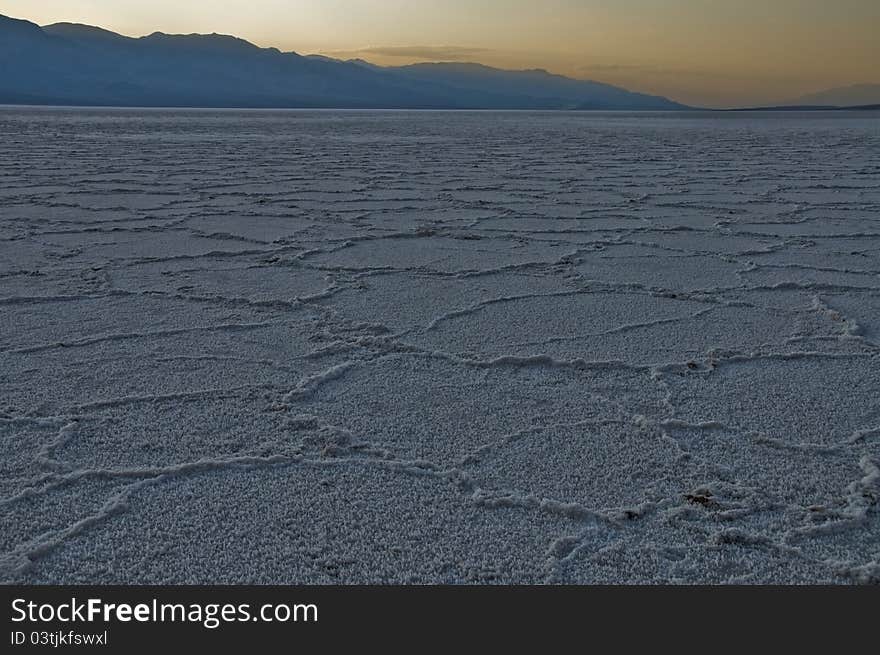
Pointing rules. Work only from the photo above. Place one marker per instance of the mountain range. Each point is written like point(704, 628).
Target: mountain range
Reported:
point(72, 64)
point(847, 96)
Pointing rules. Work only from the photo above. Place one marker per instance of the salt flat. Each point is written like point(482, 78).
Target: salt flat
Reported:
point(432, 347)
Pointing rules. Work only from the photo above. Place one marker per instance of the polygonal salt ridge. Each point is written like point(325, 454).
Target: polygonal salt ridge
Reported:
point(436, 401)
point(43, 513)
point(819, 283)
point(858, 310)
point(265, 229)
point(664, 547)
point(407, 301)
point(269, 284)
point(27, 445)
point(614, 468)
point(437, 254)
point(315, 522)
point(35, 285)
point(160, 433)
point(639, 328)
point(845, 537)
point(113, 489)
point(118, 370)
point(681, 272)
point(119, 315)
point(831, 410)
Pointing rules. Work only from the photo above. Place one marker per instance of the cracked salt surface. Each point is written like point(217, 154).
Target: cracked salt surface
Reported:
point(343, 347)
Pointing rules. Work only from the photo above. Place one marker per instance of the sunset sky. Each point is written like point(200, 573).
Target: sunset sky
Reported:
point(704, 52)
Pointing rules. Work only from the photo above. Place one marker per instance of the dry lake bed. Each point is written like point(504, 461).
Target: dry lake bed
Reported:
point(429, 347)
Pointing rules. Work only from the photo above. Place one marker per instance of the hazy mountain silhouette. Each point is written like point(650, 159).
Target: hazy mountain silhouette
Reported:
point(848, 96)
point(70, 64)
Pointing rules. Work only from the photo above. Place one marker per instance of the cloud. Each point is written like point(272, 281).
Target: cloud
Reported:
point(614, 68)
point(444, 52)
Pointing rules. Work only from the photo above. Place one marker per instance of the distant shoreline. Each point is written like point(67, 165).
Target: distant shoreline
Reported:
point(685, 110)
point(804, 108)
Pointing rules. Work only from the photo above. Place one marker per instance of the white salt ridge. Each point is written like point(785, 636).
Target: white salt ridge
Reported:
point(566, 347)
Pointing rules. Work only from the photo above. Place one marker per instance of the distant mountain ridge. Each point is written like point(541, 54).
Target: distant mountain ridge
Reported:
point(72, 64)
point(847, 96)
